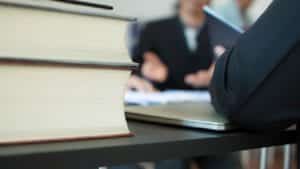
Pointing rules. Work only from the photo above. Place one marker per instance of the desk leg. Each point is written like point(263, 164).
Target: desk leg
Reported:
point(263, 162)
point(287, 159)
point(297, 144)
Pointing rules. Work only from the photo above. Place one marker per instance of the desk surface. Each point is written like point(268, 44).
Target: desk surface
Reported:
point(151, 142)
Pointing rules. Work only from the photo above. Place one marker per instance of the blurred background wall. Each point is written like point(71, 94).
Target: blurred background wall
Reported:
point(146, 10)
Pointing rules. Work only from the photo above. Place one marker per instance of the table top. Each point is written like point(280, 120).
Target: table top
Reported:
point(151, 142)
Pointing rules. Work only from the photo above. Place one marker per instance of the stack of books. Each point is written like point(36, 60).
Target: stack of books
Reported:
point(63, 68)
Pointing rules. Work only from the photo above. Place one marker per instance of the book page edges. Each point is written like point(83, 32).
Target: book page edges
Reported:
point(66, 139)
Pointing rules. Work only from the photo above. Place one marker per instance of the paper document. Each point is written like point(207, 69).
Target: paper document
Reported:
point(169, 96)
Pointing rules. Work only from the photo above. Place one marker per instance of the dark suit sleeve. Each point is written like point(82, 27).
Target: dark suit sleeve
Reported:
point(244, 69)
point(146, 43)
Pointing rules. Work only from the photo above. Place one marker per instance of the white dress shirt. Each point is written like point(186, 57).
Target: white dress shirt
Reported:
point(191, 38)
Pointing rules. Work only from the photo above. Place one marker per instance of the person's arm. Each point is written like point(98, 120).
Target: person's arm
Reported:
point(146, 43)
point(151, 67)
point(241, 71)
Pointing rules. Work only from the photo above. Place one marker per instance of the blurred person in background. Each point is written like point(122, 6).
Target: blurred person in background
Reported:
point(229, 10)
point(176, 53)
point(244, 6)
point(251, 10)
point(242, 13)
point(235, 12)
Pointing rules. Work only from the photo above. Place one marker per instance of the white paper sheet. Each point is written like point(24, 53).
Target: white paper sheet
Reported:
point(169, 96)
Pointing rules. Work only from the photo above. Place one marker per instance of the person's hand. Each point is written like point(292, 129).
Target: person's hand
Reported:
point(153, 69)
point(201, 78)
point(140, 84)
